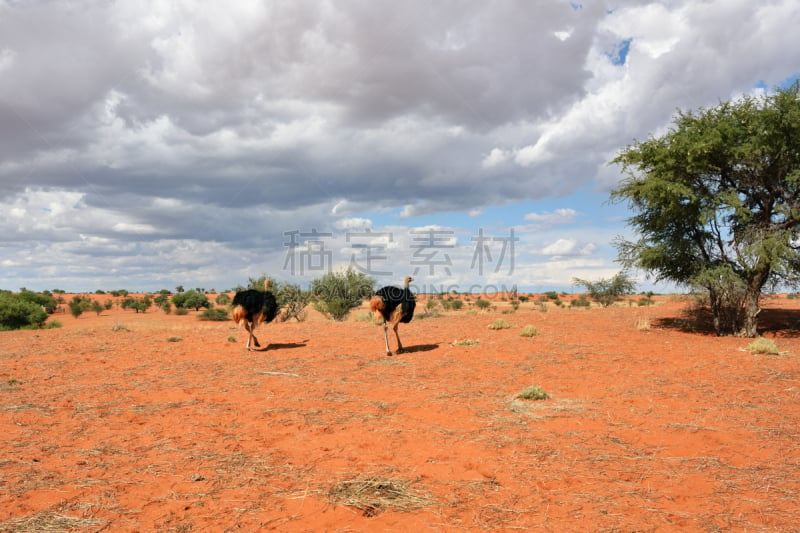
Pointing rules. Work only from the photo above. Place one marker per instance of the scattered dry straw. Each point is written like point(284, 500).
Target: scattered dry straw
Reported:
point(373, 495)
point(46, 521)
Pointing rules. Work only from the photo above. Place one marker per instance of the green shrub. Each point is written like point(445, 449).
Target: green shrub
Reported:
point(181, 311)
point(482, 304)
point(529, 331)
point(533, 393)
point(337, 293)
point(580, 301)
point(17, 312)
point(218, 315)
point(191, 300)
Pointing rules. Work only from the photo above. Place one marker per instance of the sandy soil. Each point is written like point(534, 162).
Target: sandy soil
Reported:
point(154, 422)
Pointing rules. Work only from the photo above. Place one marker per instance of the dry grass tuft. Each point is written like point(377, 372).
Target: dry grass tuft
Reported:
point(465, 342)
point(643, 323)
point(763, 346)
point(499, 324)
point(46, 521)
point(374, 494)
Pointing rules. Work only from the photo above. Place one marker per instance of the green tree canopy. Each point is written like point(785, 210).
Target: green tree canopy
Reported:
point(191, 299)
point(336, 293)
point(20, 311)
point(717, 203)
point(607, 291)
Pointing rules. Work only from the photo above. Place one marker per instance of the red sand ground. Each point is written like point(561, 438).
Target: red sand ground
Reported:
point(658, 429)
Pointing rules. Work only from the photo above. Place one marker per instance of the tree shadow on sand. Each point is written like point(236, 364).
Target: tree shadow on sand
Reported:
point(777, 322)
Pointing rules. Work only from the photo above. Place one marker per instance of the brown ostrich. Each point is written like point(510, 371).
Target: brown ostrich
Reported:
point(251, 308)
point(393, 305)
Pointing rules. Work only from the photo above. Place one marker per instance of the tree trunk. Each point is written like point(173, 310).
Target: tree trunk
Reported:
point(751, 301)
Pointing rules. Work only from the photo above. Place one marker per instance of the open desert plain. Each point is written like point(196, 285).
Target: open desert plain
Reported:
point(129, 421)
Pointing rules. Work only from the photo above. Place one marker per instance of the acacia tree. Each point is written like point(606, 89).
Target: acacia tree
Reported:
point(717, 203)
point(607, 291)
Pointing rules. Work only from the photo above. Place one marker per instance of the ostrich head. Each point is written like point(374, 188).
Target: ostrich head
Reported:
point(407, 280)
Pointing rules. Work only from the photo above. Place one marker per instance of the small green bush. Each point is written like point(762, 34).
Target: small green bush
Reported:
point(533, 393)
point(482, 304)
point(580, 301)
point(217, 314)
point(529, 331)
point(181, 311)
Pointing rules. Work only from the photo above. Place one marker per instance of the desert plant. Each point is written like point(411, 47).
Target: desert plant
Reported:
point(78, 305)
point(218, 315)
point(607, 291)
point(529, 331)
point(191, 300)
point(337, 293)
point(580, 301)
point(533, 392)
point(465, 342)
point(643, 323)
point(174, 339)
point(17, 313)
point(499, 324)
point(760, 345)
point(482, 304)
point(232, 338)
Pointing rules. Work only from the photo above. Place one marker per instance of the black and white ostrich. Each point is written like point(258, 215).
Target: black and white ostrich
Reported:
point(251, 308)
point(393, 305)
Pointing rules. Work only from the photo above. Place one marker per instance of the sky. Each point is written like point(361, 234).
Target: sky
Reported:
point(146, 145)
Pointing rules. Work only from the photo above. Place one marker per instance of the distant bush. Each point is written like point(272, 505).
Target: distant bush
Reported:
point(180, 311)
point(191, 300)
point(452, 305)
point(223, 299)
point(482, 304)
point(607, 291)
point(78, 305)
point(580, 301)
point(551, 295)
point(529, 331)
point(218, 314)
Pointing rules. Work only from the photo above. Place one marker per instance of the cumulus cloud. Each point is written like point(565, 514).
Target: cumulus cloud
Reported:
point(129, 127)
